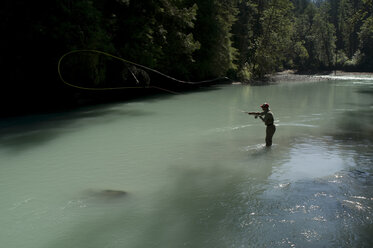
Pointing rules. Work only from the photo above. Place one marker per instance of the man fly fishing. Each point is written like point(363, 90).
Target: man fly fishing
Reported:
point(267, 117)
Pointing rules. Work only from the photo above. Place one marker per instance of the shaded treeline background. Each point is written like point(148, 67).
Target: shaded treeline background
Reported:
point(187, 39)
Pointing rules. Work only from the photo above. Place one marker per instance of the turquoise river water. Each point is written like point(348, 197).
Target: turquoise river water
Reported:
point(191, 170)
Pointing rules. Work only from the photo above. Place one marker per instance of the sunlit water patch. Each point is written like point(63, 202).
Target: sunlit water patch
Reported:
point(312, 158)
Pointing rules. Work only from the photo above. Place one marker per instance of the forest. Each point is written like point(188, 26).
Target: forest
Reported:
point(188, 39)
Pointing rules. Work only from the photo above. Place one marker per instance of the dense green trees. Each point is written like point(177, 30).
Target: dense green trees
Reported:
point(273, 40)
point(214, 21)
point(306, 35)
point(366, 35)
point(187, 39)
point(350, 18)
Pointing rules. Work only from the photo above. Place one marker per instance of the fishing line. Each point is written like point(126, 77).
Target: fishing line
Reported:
point(128, 62)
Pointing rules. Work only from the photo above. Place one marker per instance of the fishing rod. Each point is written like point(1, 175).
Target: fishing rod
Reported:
point(256, 114)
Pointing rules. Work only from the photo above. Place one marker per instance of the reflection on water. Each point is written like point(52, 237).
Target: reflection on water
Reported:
point(192, 171)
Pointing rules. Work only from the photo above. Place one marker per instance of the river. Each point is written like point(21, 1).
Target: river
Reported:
point(191, 170)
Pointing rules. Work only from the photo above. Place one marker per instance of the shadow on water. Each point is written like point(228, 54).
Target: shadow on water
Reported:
point(21, 133)
point(355, 125)
point(366, 91)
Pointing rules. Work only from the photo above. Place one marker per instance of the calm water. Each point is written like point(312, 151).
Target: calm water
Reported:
point(195, 171)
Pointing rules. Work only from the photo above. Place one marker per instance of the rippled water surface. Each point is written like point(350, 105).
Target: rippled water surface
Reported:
point(191, 170)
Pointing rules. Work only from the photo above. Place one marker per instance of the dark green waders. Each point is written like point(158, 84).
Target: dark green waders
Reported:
point(270, 131)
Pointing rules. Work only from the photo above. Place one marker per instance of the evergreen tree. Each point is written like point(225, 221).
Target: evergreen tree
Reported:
point(366, 43)
point(177, 23)
point(154, 33)
point(216, 55)
point(244, 37)
point(303, 38)
point(272, 43)
point(323, 37)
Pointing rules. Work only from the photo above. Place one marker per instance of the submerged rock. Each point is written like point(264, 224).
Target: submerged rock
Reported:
point(113, 193)
point(107, 194)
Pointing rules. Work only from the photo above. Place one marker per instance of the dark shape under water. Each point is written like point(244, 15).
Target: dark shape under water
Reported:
point(113, 193)
point(107, 194)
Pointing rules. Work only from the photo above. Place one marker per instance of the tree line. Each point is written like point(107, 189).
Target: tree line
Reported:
point(188, 39)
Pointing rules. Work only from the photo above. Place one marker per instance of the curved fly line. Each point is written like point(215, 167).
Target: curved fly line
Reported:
point(128, 62)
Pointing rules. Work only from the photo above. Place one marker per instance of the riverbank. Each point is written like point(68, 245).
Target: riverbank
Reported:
point(294, 76)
